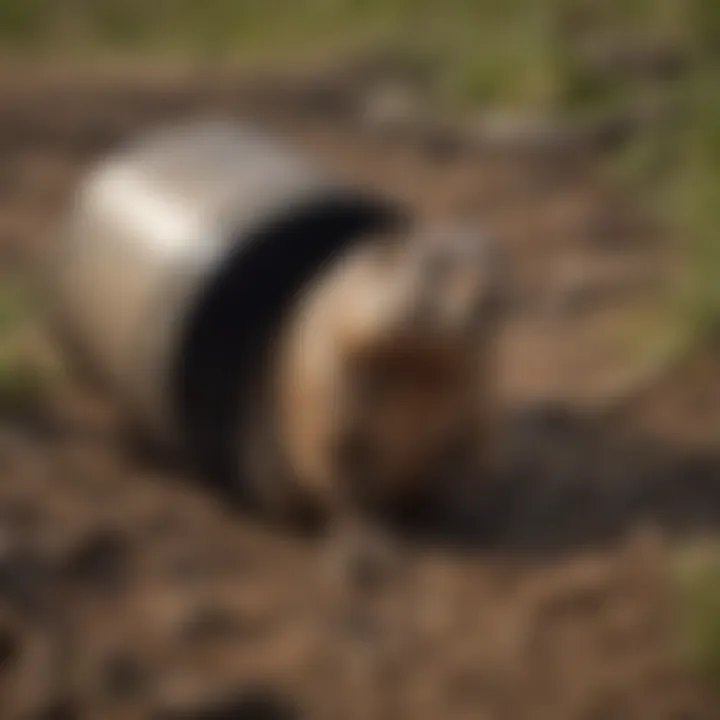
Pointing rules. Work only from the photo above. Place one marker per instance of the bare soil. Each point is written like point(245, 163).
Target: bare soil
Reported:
point(129, 591)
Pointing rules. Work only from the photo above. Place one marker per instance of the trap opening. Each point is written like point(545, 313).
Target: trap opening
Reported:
point(227, 334)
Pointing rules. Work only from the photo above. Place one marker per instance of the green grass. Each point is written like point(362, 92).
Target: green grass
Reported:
point(27, 368)
point(510, 50)
point(696, 580)
point(513, 52)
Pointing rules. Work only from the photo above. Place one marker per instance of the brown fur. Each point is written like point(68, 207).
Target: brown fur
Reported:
point(382, 378)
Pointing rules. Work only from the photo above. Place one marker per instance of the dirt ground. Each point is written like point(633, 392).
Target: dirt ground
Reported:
point(129, 591)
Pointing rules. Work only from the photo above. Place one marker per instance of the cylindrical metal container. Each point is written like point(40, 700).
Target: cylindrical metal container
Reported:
point(183, 249)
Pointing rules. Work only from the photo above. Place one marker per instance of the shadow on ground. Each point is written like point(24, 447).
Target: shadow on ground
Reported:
point(567, 483)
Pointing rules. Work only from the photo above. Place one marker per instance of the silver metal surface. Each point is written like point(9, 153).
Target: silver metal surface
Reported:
point(157, 223)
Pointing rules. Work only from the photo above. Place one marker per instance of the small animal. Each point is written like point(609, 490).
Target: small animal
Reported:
point(380, 388)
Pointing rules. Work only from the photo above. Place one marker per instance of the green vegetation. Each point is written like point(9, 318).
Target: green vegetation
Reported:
point(26, 368)
point(515, 50)
point(534, 55)
point(697, 581)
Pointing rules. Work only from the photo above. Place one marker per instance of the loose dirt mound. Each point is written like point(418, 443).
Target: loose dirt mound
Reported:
point(128, 591)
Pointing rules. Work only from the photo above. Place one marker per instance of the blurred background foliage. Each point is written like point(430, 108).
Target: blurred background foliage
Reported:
point(657, 60)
